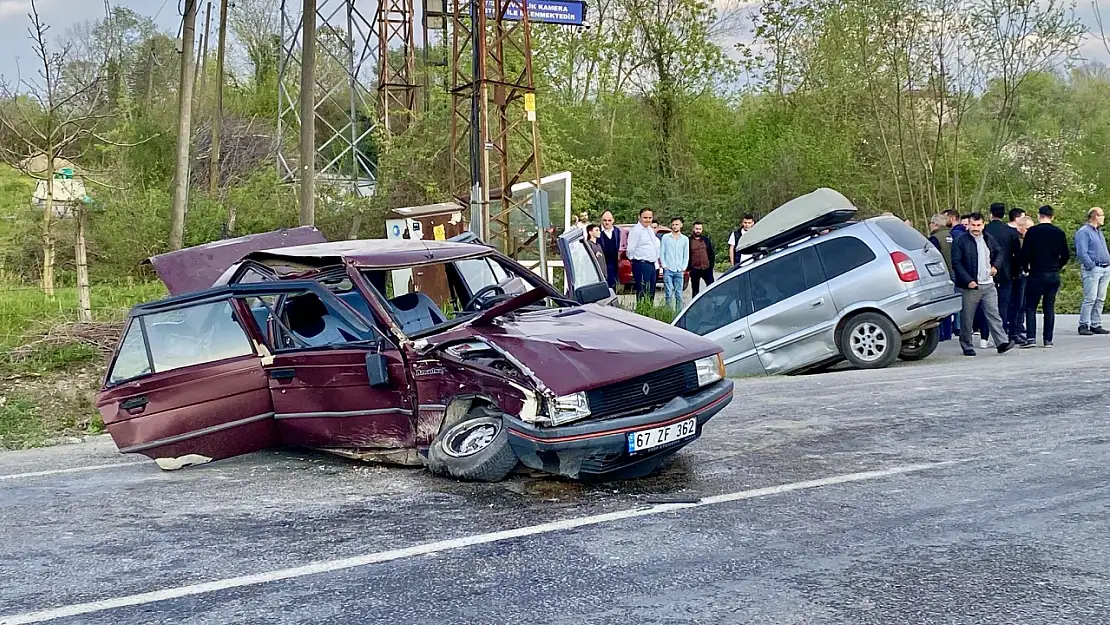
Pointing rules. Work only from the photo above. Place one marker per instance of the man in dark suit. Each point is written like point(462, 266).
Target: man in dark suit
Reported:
point(1009, 242)
point(610, 242)
point(975, 260)
point(1043, 256)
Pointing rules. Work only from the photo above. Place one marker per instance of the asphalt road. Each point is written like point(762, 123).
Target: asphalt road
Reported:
point(950, 491)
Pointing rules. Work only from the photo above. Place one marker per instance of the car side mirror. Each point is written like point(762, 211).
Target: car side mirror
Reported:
point(377, 370)
point(596, 292)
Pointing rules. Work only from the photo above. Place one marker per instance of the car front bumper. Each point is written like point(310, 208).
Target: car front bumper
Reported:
point(599, 449)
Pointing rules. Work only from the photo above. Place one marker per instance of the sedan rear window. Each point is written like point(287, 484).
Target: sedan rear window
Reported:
point(179, 338)
point(903, 236)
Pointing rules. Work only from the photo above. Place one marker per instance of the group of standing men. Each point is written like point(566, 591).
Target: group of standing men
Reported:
point(1004, 271)
point(673, 253)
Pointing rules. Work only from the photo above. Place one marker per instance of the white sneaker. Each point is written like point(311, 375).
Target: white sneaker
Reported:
point(982, 343)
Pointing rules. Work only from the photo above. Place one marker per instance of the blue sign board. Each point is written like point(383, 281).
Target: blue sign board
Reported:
point(565, 12)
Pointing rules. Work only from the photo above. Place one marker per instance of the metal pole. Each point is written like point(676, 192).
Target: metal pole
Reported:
point(352, 85)
point(478, 19)
point(214, 152)
point(184, 128)
point(308, 114)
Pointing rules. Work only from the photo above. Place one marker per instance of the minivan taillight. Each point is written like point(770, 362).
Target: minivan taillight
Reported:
point(903, 264)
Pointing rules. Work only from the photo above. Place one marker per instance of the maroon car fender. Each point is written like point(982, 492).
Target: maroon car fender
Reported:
point(441, 382)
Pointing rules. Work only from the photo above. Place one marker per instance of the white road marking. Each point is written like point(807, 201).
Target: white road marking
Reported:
point(95, 467)
point(328, 566)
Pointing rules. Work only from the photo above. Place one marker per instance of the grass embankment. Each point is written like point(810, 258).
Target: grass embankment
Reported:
point(51, 365)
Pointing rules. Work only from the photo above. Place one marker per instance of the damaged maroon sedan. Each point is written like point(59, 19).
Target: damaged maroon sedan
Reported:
point(441, 353)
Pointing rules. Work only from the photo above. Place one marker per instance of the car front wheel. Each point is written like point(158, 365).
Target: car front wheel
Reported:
point(473, 447)
point(870, 341)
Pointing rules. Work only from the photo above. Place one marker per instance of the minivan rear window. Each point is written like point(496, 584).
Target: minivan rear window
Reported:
point(902, 235)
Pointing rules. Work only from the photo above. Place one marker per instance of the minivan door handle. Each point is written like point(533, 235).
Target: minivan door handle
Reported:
point(817, 303)
point(739, 337)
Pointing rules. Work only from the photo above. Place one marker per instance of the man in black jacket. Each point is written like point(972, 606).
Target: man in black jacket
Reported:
point(1008, 240)
point(701, 258)
point(975, 261)
point(1043, 255)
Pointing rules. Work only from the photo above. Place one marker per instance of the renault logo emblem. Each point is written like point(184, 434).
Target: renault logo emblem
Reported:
point(646, 388)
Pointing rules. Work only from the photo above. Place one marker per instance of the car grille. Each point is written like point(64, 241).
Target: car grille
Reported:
point(628, 396)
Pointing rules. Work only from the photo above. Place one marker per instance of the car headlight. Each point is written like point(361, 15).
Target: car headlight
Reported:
point(710, 369)
point(568, 408)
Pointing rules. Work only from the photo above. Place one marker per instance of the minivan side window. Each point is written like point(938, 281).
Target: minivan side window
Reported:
point(843, 254)
point(783, 277)
point(720, 306)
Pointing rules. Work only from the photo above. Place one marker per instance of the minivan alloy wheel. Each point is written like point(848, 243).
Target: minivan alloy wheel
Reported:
point(470, 437)
point(869, 342)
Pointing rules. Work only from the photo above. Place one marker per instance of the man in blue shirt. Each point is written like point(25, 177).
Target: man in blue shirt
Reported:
point(1094, 267)
point(675, 257)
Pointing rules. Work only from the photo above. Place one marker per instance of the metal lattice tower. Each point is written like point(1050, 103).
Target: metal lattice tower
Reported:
point(364, 87)
point(491, 76)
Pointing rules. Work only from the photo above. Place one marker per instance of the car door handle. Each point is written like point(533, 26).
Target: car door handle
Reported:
point(134, 403)
point(283, 374)
point(817, 304)
point(739, 337)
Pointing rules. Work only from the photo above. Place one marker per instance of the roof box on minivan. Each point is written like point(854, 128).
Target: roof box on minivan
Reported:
point(823, 208)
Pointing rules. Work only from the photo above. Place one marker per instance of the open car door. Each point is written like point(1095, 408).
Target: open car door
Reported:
point(187, 384)
point(584, 277)
point(337, 381)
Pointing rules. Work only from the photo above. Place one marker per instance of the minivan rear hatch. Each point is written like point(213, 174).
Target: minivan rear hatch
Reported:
point(901, 239)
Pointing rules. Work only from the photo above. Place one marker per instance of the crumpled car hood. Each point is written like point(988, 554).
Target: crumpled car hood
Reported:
point(586, 347)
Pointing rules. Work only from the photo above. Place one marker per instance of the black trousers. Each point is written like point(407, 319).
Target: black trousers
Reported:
point(696, 276)
point(1041, 288)
point(1016, 314)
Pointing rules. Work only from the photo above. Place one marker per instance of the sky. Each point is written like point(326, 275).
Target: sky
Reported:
point(15, 48)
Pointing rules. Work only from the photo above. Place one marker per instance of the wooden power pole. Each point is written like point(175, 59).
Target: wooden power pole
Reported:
point(184, 128)
point(202, 64)
point(308, 114)
point(214, 153)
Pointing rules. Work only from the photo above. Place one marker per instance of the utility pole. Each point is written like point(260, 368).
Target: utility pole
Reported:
point(202, 66)
point(214, 152)
point(184, 128)
point(308, 114)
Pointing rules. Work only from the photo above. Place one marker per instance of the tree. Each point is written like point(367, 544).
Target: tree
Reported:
point(257, 25)
point(48, 120)
point(1015, 39)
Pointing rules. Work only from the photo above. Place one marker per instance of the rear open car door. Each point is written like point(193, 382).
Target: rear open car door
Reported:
point(187, 385)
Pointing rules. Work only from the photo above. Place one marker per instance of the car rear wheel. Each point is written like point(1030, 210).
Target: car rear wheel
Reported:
point(870, 341)
point(920, 346)
point(473, 447)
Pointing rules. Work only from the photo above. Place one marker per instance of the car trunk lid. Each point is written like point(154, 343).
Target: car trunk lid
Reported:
point(197, 268)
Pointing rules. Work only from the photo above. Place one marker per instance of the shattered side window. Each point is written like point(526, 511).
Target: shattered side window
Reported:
point(195, 335)
point(131, 360)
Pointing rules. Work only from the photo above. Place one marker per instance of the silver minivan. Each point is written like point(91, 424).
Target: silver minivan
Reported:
point(819, 288)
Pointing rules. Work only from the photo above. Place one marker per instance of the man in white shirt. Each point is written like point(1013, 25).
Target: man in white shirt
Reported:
point(746, 223)
point(643, 251)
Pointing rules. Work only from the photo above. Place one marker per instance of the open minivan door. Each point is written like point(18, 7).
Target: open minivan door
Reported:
point(584, 277)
